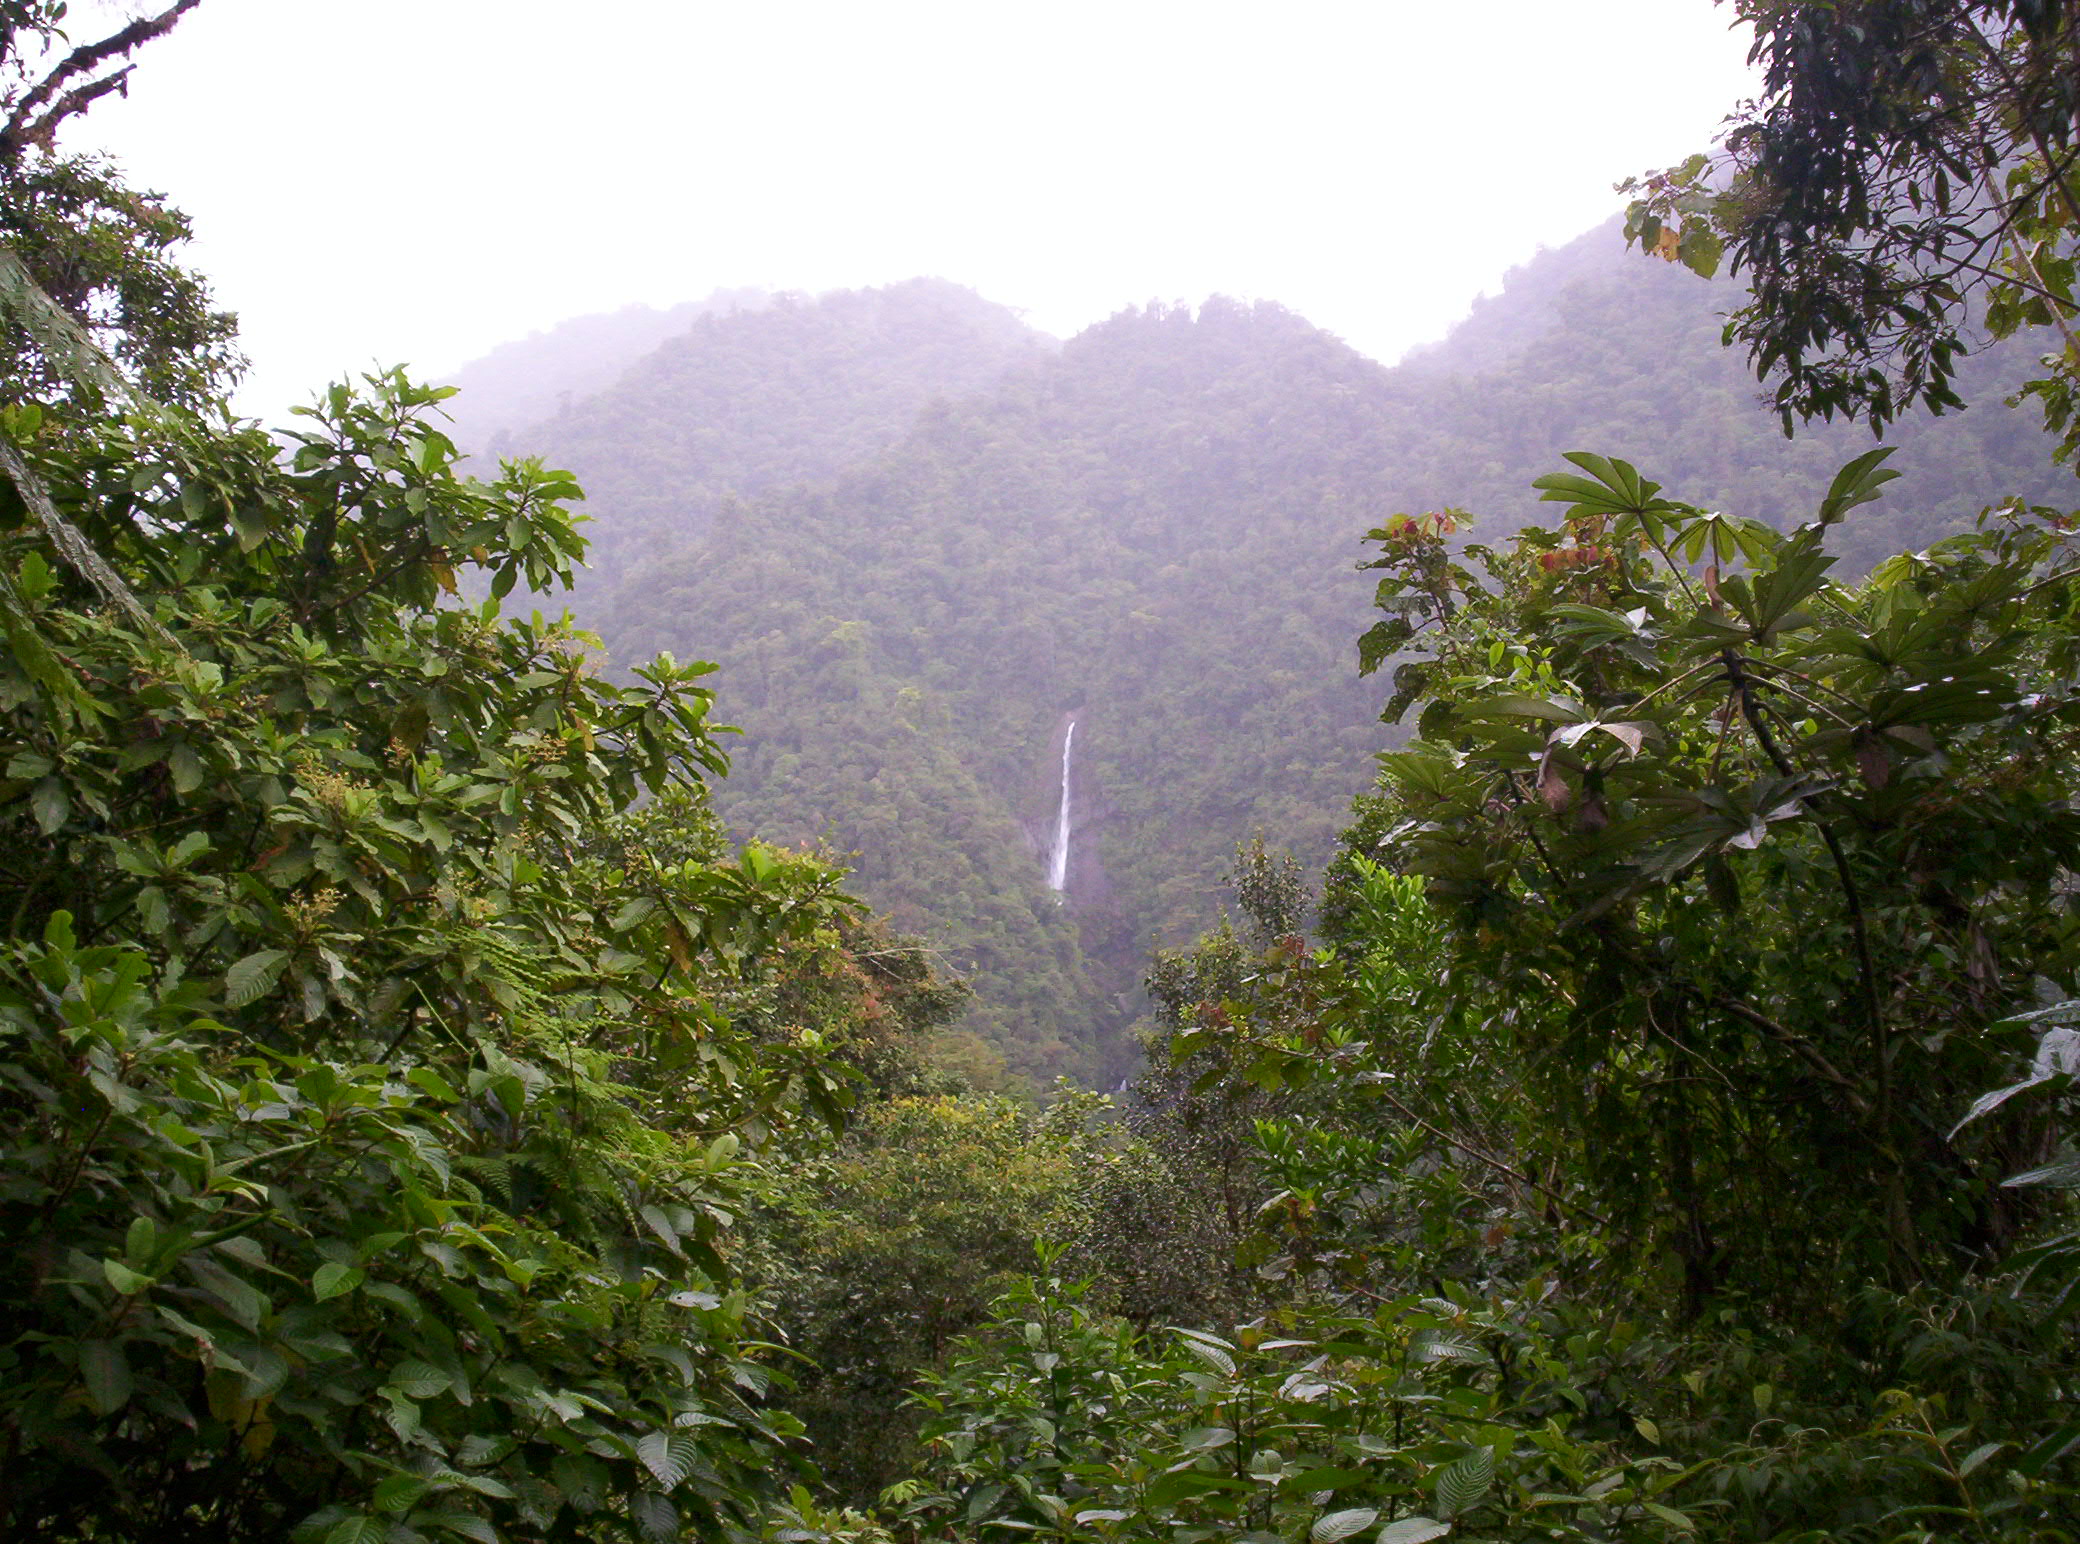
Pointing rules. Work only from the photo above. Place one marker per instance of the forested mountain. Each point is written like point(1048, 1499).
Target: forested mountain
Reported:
point(522, 382)
point(1591, 347)
point(914, 579)
point(421, 1124)
point(746, 399)
point(1121, 535)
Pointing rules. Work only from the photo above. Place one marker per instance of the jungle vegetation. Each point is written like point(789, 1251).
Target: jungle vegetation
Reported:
point(1646, 1114)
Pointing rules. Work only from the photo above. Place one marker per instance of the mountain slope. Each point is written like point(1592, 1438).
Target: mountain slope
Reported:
point(523, 382)
point(1154, 534)
point(791, 391)
point(921, 543)
point(1594, 347)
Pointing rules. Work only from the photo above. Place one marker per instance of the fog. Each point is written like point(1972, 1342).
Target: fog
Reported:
point(417, 180)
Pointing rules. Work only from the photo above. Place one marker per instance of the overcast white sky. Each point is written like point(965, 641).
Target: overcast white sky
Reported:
point(418, 180)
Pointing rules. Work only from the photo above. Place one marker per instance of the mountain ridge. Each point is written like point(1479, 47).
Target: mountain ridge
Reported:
point(1155, 523)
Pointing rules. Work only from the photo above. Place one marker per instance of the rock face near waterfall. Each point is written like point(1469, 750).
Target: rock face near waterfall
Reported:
point(930, 540)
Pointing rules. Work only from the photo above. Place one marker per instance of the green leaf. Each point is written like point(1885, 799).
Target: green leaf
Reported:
point(123, 1278)
point(1559, 710)
point(482, 1484)
point(241, 1299)
point(333, 1279)
point(421, 1380)
point(1341, 1525)
point(670, 1456)
point(1434, 1346)
point(406, 1303)
point(465, 1525)
point(1212, 1356)
point(2049, 1449)
point(1461, 1485)
point(1699, 248)
point(186, 767)
point(403, 1417)
point(140, 1239)
point(656, 1515)
point(1612, 487)
point(661, 1225)
point(50, 804)
point(400, 1493)
point(632, 913)
point(1861, 481)
point(106, 1373)
point(37, 576)
point(1987, 1103)
point(1978, 1456)
point(2062, 1175)
point(253, 977)
point(432, 1083)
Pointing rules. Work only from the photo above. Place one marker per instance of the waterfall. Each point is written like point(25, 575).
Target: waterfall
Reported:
point(1058, 861)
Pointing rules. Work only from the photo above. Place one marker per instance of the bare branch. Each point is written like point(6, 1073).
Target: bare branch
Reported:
point(16, 136)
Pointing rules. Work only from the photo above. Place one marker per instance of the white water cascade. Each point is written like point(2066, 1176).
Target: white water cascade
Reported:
point(1058, 860)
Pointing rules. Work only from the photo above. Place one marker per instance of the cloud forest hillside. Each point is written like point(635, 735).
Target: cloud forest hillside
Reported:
point(424, 1121)
point(520, 383)
point(921, 543)
point(760, 391)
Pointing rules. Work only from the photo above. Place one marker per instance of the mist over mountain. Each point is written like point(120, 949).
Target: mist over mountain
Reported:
point(747, 397)
point(906, 990)
point(921, 541)
point(1591, 347)
point(523, 382)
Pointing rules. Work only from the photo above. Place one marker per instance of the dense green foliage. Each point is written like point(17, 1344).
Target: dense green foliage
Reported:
point(1909, 169)
point(1768, 852)
point(1634, 1165)
point(1151, 530)
point(375, 1083)
point(893, 1242)
point(748, 397)
point(418, 1120)
point(371, 1095)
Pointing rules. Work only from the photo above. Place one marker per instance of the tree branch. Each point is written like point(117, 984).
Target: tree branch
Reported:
point(44, 130)
point(1493, 1162)
point(87, 57)
point(1803, 1048)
